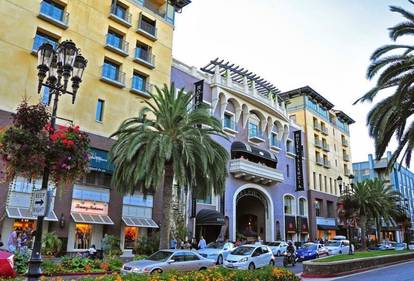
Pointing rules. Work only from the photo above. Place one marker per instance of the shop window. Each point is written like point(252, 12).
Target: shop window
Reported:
point(302, 205)
point(23, 225)
point(318, 207)
point(83, 236)
point(131, 236)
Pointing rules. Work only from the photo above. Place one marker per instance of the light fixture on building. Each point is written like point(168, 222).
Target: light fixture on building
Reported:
point(62, 221)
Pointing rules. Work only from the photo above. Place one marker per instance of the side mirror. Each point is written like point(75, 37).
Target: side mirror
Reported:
point(171, 261)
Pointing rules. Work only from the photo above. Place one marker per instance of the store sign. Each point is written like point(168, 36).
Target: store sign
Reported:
point(198, 93)
point(89, 207)
point(325, 221)
point(99, 161)
point(299, 159)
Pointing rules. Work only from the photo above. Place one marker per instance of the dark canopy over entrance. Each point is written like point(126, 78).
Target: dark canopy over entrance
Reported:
point(209, 217)
point(253, 153)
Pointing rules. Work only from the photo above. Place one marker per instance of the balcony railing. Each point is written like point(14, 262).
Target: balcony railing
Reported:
point(122, 18)
point(54, 15)
point(346, 157)
point(324, 130)
point(325, 146)
point(326, 163)
point(317, 126)
point(318, 143)
point(347, 172)
point(345, 142)
point(39, 40)
point(112, 76)
point(138, 86)
point(116, 45)
point(250, 171)
point(144, 57)
point(147, 29)
point(319, 161)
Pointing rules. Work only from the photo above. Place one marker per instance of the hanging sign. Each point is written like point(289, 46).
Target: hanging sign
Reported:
point(299, 159)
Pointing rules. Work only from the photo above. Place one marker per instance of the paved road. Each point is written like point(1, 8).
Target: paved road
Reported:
point(400, 272)
point(298, 268)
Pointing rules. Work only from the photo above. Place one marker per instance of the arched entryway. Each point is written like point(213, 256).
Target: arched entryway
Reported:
point(252, 214)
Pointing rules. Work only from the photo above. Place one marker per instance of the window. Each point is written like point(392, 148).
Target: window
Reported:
point(147, 25)
point(336, 191)
point(288, 204)
point(289, 146)
point(326, 184)
point(52, 10)
point(330, 206)
point(330, 186)
point(114, 39)
point(83, 234)
point(41, 38)
point(99, 110)
point(314, 180)
point(191, 257)
point(110, 70)
point(318, 207)
point(254, 129)
point(208, 199)
point(139, 82)
point(287, 171)
point(143, 52)
point(131, 236)
point(228, 121)
point(320, 182)
point(179, 257)
point(120, 11)
point(302, 206)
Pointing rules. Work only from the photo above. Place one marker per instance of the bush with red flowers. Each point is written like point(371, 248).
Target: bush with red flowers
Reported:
point(30, 144)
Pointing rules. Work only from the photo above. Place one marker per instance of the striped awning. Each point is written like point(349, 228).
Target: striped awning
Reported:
point(139, 222)
point(91, 218)
point(24, 214)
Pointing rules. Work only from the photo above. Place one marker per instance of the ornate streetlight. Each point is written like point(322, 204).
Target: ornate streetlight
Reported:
point(55, 68)
point(347, 192)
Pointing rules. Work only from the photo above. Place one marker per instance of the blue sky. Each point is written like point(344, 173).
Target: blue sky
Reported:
point(325, 44)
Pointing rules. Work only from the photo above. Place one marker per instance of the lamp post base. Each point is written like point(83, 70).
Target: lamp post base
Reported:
point(35, 272)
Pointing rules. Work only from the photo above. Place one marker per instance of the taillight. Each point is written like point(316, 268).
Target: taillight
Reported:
point(11, 261)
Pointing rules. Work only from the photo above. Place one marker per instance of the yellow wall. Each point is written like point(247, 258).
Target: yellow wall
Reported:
point(335, 154)
point(88, 26)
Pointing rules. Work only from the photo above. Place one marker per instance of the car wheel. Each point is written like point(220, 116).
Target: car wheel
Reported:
point(340, 252)
point(317, 256)
point(203, 268)
point(251, 266)
point(272, 263)
point(278, 253)
point(220, 260)
point(156, 271)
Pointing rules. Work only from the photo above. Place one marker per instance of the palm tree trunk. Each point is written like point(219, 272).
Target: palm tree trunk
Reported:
point(379, 230)
point(166, 203)
point(363, 222)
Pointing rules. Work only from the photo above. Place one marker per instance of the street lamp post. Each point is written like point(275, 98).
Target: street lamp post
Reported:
point(347, 193)
point(59, 66)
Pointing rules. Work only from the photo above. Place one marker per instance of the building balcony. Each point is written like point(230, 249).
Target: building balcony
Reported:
point(144, 57)
point(316, 126)
point(345, 142)
point(326, 163)
point(324, 130)
point(251, 171)
point(115, 78)
point(140, 88)
point(119, 17)
point(318, 143)
point(319, 161)
point(347, 172)
point(54, 15)
point(325, 147)
point(148, 30)
point(346, 157)
point(116, 45)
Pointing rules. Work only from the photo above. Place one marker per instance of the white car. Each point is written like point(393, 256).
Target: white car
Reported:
point(250, 257)
point(337, 247)
point(411, 245)
point(217, 251)
point(278, 247)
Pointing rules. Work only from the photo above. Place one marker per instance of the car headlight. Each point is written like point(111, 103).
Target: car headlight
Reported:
point(244, 260)
point(136, 269)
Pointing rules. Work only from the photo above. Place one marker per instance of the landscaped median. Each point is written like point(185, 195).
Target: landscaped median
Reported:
point(346, 264)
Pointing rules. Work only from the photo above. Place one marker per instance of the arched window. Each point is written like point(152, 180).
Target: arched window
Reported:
point(289, 205)
point(302, 207)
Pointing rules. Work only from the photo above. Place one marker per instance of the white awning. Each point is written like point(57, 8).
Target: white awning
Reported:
point(91, 218)
point(139, 222)
point(24, 213)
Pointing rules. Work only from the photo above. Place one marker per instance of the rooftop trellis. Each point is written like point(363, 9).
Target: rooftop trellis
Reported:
point(238, 73)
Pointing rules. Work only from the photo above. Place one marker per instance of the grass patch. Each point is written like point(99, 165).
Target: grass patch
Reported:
point(365, 254)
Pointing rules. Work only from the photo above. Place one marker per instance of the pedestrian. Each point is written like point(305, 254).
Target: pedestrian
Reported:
point(173, 243)
point(92, 252)
point(238, 243)
point(202, 243)
point(12, 241)
point(187, 245)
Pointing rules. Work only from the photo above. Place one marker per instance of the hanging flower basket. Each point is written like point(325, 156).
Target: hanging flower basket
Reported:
point(30, 144)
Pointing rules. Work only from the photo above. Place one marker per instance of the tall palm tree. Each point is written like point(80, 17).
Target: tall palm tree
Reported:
point(393, 66)
point(168, 141)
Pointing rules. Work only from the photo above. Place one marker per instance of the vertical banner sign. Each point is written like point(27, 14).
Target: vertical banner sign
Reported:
point(299, 159)
point(198, 100)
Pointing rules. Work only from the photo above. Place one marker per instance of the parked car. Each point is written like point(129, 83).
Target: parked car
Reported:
point(411, 245)
point(250, 257)
point(217, 251)
point(278, 247)
point(400, 246)
point(337, 247)
point(6, 264)
point(167, 260)
point(311, 251)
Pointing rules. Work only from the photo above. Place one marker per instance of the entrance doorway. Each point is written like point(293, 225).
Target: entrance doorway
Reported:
point(251, 215)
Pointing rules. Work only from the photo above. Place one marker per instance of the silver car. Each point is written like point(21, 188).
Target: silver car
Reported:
point(217, 251)
point(166, 260)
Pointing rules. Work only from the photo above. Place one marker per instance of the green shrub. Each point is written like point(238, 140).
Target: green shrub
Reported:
point(51, 244)
point(147, 245)
point(21, 263)
point(111, 245)
point(114, 263)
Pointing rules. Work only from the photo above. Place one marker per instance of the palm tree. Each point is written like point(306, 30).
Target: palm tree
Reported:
point(393, 66)
point(369, 199)
point(169, 142)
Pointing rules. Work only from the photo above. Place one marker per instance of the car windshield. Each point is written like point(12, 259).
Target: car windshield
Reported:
point(273, 244)
point(309, 246)
point(333, 243)
point(243, 251)
point(160, 256)
point(215, 245)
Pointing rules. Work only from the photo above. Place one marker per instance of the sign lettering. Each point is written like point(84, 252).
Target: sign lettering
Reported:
point(298, 160)
point(38, 203)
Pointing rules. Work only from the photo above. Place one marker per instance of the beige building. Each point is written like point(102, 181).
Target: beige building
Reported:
point(128, 45)
point(328, 155)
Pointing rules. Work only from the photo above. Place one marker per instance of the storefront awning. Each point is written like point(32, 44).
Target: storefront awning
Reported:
point(242, 147)
point(24, 214)
point(209, 217)
point(139, 222)
point(327, 227)
point(91, 218)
